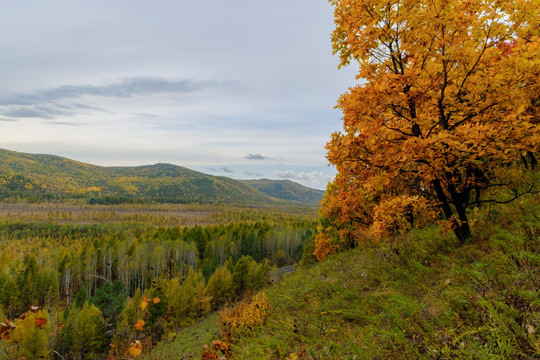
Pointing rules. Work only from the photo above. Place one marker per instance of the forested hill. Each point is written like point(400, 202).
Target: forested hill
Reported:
point(37, 177)
point(287, 190)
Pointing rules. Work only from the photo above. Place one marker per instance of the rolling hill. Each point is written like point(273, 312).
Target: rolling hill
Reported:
point(38, 177)
point(287, 190)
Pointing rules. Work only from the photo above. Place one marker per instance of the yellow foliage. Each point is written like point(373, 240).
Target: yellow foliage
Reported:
point(324, 245)
point(31, 334)
point(244, 315)
point(135, 349)
point(401, 213)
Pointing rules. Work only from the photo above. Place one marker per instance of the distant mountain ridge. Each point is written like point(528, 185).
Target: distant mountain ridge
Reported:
point(40, 177)
point(287, 190)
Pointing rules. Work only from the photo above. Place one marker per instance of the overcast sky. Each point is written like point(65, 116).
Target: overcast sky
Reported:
point(239, 88)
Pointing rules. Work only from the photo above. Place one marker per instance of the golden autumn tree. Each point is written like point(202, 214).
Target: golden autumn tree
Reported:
point(445, 116)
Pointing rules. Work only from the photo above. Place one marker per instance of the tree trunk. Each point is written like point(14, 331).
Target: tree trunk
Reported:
point(461, 228)
point(464, 229)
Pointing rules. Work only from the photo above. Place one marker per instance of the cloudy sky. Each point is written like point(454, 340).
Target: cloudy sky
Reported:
point(239, 88)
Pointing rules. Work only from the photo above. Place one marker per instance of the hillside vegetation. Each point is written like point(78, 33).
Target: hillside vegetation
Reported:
point(70, 288)
point(287, 190)
point(37, 177)
point(416, 296)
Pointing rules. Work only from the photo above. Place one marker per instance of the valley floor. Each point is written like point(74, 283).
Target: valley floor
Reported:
point(157, 214)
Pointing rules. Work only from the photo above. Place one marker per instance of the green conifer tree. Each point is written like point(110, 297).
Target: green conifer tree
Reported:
point(220, 287)
point(87, 334)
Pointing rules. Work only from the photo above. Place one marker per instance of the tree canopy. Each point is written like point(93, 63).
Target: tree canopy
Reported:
point(445, 116)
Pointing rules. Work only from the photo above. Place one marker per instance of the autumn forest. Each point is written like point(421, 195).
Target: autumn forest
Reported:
point(95, 275)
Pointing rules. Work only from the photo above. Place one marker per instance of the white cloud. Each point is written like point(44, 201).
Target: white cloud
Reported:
point(315, 179)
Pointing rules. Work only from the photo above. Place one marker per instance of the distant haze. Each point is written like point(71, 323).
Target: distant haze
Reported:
point(244, 89)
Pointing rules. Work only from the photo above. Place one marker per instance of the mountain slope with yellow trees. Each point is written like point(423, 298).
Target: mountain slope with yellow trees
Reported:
point(38, 177)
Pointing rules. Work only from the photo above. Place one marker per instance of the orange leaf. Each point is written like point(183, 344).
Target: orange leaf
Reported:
point(155, 300)
point(40, 322)
point(139, 324)
point(209, 355)
point(143, 305)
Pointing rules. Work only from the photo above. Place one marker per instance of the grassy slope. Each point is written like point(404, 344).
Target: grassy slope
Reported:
point(287, 190)
point(65, 178)
point(418, 296)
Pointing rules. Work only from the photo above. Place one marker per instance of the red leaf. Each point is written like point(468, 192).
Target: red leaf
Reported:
point(40, 322)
